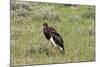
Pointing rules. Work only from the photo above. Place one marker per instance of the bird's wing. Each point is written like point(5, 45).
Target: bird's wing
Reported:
point(57, 38)
point(52, 29)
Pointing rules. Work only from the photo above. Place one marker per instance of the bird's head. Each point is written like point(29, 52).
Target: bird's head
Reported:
point(45, 25)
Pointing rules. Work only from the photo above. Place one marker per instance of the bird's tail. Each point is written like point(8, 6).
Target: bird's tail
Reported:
point(62, 50)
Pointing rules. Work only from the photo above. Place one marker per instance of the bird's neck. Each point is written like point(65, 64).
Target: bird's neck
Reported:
point(46, 28)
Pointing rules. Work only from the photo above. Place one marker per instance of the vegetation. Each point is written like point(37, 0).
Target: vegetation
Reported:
point(75, 25)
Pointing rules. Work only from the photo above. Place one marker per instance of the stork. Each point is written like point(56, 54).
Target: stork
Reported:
point(53, 37)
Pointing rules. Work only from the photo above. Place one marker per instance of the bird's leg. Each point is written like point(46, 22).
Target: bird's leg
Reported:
point(51, 46)
point(47, 44)
point(56, 51)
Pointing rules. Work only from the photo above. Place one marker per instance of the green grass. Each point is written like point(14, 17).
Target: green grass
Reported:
point(28, 42)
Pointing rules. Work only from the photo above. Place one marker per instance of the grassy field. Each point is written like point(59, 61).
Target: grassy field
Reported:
point(74, 23)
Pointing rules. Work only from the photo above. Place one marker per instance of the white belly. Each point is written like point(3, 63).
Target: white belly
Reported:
point(53, 42)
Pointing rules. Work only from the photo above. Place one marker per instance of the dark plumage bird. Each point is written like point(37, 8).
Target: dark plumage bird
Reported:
point(52, 35)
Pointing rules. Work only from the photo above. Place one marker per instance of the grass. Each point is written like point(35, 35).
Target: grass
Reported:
point(28, 42)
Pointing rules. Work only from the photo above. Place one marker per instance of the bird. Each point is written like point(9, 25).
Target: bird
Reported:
point(54, 37)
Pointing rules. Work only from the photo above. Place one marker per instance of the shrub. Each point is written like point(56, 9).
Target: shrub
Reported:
point(47, 13)
point(91, 30)
point(22, 12)
point(89, 14)
point(17, 5)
